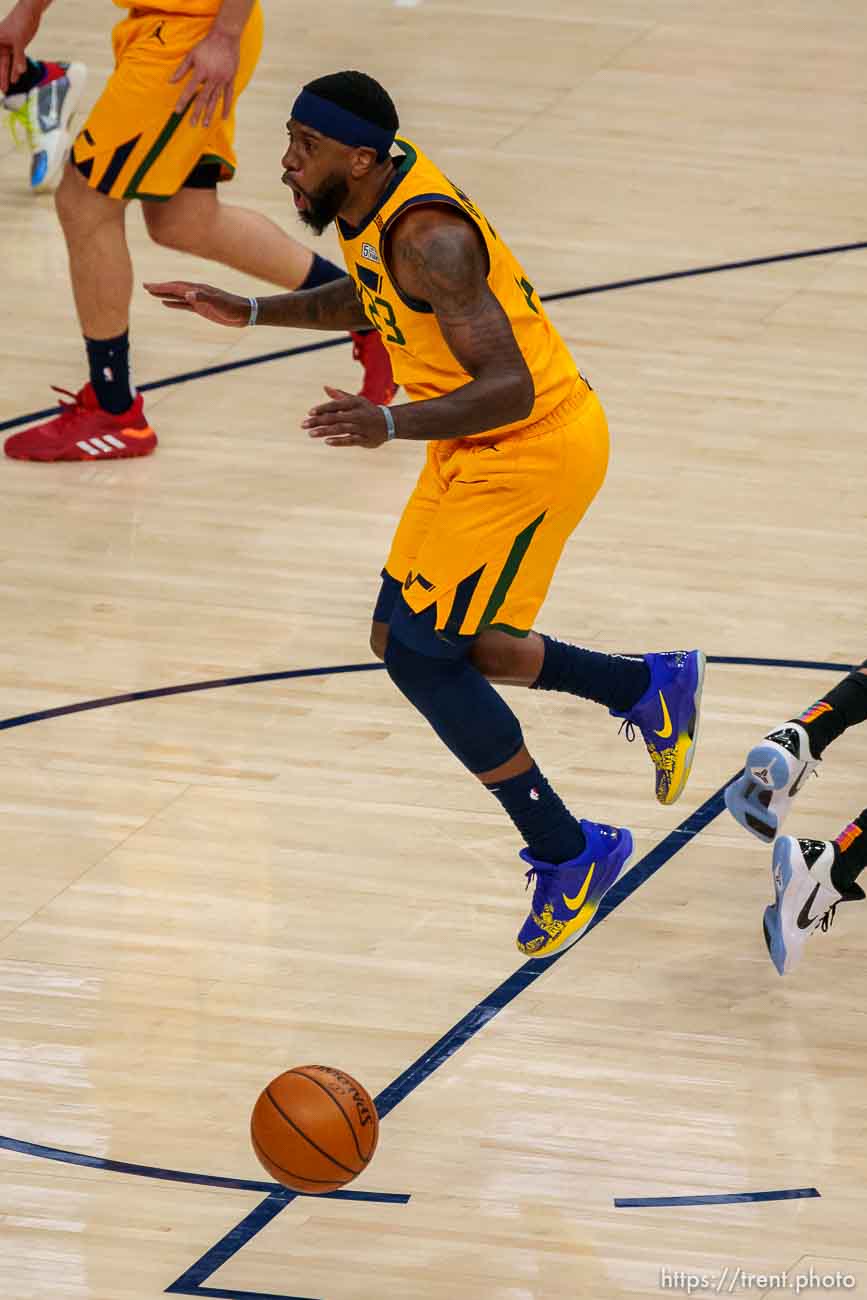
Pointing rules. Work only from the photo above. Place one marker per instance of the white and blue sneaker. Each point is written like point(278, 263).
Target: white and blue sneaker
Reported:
point(806, 897)
point(45, 113)
point(775, 770)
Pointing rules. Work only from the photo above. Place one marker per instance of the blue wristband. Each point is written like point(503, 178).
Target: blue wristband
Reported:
point(389, 423)
point(254, 311)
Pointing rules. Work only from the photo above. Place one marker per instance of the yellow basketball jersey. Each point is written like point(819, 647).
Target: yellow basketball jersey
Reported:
point(181, 8)
point(421, 359)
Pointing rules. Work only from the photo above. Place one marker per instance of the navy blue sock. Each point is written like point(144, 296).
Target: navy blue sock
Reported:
point(109, 372)
point(321, 272)
point(550, 831)
point(30, 77)
point(617, 681)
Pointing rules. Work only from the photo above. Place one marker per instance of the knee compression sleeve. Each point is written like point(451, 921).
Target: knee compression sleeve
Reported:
point(459, 703)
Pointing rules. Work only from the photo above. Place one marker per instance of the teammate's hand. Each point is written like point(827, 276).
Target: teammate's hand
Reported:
point(214, 304)
point(17, 30)
point(347, 421)
point(211, 68)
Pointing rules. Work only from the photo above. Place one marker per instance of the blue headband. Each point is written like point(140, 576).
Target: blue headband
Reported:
point(340, 124)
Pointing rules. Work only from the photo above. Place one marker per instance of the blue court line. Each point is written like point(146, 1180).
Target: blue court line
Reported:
point(609, 287)
point(218, 683)
point(451, 1042)
point(182, 1176)
point(107, 701)
point(204, 373)
point(527, 974)
point(276, 1201)
point(190, 1282)
point(733, 1198)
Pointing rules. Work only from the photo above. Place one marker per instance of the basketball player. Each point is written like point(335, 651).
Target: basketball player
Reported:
point(162, 133)
point(517, 449)
point(810, 876)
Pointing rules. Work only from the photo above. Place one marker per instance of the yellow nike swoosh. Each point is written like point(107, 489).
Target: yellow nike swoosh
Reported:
point(666, 720)
point(574, 904)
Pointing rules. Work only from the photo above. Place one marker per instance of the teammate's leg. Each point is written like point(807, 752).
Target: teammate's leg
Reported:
point(195, 221)
point(777, 767)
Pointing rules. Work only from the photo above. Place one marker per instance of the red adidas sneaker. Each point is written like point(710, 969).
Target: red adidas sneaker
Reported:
point(84, 431)
point(379, 385)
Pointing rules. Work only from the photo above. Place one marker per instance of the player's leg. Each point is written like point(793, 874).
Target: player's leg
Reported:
point(777, 767)
point(106, 419)
point(572, 862)
point(660, 693)
point(41, 104)
point(810, 878)
point(196, 220)
point(430, 608)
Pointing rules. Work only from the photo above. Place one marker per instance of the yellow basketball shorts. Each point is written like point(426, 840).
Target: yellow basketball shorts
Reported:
point(134, 145)
point(484, 529)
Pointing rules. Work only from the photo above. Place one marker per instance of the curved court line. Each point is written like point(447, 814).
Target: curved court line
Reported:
point(181, 1175)
point(691, 272)
point(106, 701)
point(190, 1282)
point(728, 1198)
point(249, 679)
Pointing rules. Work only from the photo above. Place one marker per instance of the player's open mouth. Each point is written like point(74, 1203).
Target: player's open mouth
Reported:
point(302, 203)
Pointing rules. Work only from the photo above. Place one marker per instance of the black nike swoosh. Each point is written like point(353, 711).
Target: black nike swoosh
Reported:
point(798, 782)
point(805, 920)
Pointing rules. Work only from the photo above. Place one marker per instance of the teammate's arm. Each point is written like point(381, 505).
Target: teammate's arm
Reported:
point(212, 64)
point(17, 30)
point(332, 306)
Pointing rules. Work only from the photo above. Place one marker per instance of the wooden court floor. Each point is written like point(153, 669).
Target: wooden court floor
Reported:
point(201, 889)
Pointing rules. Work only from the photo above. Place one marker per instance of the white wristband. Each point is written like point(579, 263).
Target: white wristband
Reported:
point(389, 423)
point(254, 311)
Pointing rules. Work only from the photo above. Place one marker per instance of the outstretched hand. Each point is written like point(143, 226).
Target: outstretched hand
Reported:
point(204, 300)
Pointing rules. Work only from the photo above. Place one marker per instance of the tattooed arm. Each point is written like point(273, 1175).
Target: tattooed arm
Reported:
point(332, 306)
point(438, 257)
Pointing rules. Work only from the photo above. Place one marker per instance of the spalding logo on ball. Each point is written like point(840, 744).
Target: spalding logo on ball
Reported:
point(314, 1128)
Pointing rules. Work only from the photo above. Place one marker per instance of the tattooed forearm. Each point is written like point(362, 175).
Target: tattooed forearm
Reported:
point(332, 306)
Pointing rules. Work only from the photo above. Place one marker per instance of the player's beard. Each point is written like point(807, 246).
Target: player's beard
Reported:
point(325, 206)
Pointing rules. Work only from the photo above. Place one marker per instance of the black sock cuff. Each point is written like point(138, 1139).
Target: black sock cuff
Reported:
point(321, 272)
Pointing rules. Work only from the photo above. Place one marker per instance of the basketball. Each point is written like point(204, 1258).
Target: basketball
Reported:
point(314, 1129)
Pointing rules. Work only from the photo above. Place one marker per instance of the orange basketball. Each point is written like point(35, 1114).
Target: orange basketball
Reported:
point(314, 1128)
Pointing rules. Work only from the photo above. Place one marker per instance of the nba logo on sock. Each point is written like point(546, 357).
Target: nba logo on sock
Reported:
point(534, 794)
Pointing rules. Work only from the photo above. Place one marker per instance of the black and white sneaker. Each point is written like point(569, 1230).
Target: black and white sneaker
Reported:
point(44, 113)
point(806, 897)
point(775, 770)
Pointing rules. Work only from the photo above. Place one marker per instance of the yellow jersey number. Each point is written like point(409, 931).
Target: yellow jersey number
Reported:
point(380, 313)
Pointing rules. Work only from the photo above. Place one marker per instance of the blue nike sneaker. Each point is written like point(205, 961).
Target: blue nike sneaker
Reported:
point(667, 717)
point(566, 897)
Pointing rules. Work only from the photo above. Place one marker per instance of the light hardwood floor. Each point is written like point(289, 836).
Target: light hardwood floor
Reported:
point(202, 890)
